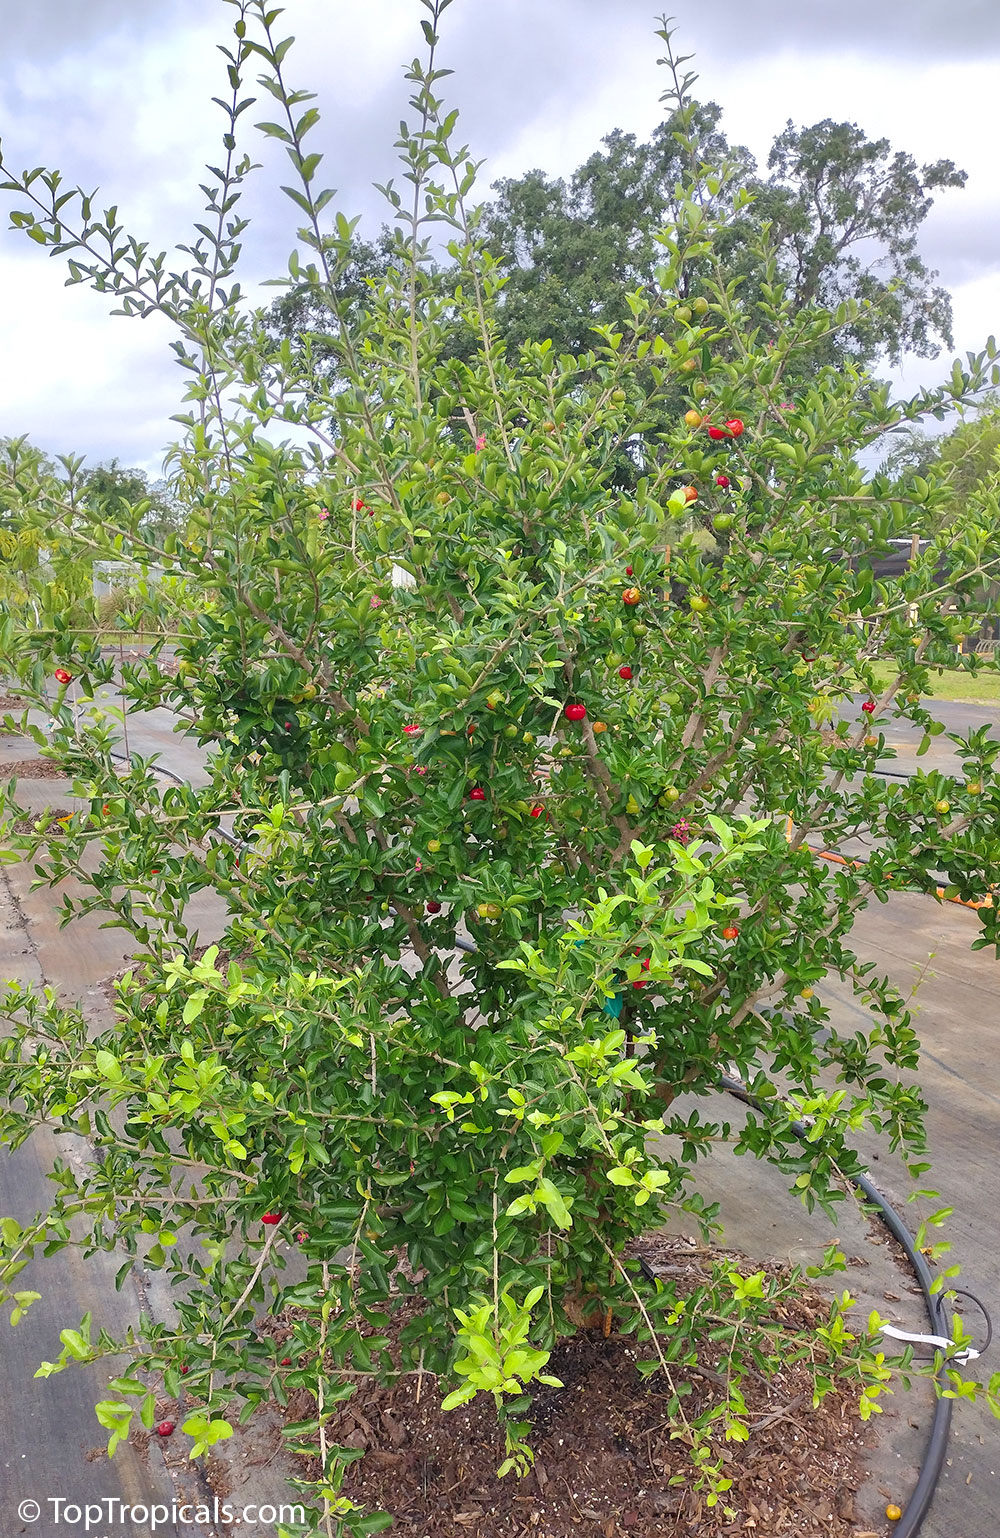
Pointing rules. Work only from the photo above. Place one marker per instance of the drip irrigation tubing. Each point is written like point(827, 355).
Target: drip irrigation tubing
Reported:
point(918, 1505)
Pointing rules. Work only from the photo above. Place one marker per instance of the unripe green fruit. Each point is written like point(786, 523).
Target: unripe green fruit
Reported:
point(490, 911)
point(673, 698)
point(433, 845)
point(510, 730)
point(723, 521)
point(618, 397)
point(942, 808)
point(700, 305)
point(672, 793)
point(698, 603)
point(528, 737)
point(683, 314)
point(640, 629)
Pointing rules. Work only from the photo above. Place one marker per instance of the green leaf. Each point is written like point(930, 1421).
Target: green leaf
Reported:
point(550, 1196)
point(108, 1067)
point(522, 1172)
point(194, 1005)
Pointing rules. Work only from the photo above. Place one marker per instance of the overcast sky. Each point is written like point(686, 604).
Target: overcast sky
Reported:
point(117, 94)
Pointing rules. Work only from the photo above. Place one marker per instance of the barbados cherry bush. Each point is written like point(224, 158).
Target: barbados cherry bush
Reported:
point(516, 780)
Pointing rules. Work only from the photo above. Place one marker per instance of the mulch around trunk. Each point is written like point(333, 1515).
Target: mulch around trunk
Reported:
point(32, 769)
point(604, 1457)
point(53, 813)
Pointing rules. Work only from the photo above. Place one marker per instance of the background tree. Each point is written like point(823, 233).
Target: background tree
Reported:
point(837, 218)
point(965, 459)
point(41, 573)
point(964, 464)
point(844, 214)
point(111, 488)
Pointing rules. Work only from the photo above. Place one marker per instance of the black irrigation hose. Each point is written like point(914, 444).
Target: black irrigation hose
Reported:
point(918, 1505)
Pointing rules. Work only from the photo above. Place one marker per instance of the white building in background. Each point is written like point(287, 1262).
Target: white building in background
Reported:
point(111, 574)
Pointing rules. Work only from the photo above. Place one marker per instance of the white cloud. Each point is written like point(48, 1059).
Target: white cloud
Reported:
point(78, 380)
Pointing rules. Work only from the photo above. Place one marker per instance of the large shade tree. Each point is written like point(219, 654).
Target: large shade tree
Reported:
point(843, 213)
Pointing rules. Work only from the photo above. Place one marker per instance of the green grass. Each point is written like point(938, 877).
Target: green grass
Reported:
point(983, 688)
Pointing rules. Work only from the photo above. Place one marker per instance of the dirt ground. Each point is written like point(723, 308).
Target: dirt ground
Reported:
point(605, 1461)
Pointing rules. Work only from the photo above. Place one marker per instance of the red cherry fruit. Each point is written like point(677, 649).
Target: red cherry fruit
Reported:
point(286, 1361)
point(62, 677)
point(631, 596)
point(433, 906)
point(639, 984)
point(730, 932)
point(868, 707)
point(576, 712)
point(165, 1429)
point(723, 481)
point(183, 1369)
point(628, 571)
point(358, 504)
point(625, 672)
point(538, 811)
point(715, 433)
point(411, 730)
point(270, 1218)
point(734, 427)
point(478, 794)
